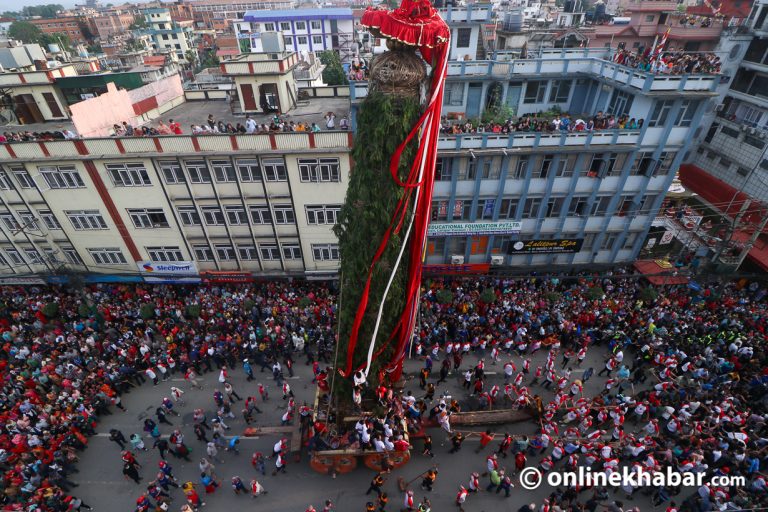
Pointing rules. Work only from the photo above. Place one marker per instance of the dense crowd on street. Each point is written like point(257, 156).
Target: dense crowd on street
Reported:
point(542, 123)
point(682, 386)
point(670, 62)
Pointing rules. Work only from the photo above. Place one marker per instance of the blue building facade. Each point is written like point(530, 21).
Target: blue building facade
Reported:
point(512, 198)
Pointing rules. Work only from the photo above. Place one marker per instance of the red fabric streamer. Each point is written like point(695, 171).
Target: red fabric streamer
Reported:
point(415, 23)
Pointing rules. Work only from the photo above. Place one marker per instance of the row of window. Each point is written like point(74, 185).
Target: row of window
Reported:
point(286, 26)
point(597, 165)
point(311, 170)
point(302, 40)
point(12, 257)
point(578, 206)
point(224, 252)
point(147, 218)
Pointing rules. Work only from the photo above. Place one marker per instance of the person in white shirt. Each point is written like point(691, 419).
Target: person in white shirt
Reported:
point(250, 125)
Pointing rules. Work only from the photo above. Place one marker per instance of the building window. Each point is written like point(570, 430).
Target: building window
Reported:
point(521, 168)
point(260, 214)
point(292, 251)
point(754, 141)
point(555, 206)
point(86, 219)
point(649, 18)
point(454, 94)
point(443, 169)
point(620, 103)
point(316, 25)
point(531, 207)
point(600, 206)
point(285, 26)
point(323, 214)
point(198, 171)
point(269, 252)
point(236, 215)
point(301, 25)
point(302, 39)
point(28, 220)
point(535, 91)
point(202, 252)
point(128, 175)
point(686, 113)
point(317, 39)
point(247, 252)
point(23, 177)
point(172, 173)
point(589, 241)
point(10, 221)
point(223, 171)
point(284, 214)
point(249, 170)
point(5, 184)
point(508, 209)
point(463, 37)
point(165, 254)
point(439, 210)
point(491, 168)
point(212, 215)
point(107, 256)
point(462, 209)
point(225, 252)
point(578, 206)
point(731, 132)
point(629, 242)
point(560, 91)
point(325, 252)
point(189, 215)
point(546, 165)
point(288, 41)
point(274, 169)
point(148, 217)
point(644, 164)
point(741, 171)
point(665, 163)
point(14, 256)
point(63, 176)
point(317, 170)
point(269, 27)
point(608, 241)
point(49, 219)
point(660, 112)
point(72, 256)
point(485, 209)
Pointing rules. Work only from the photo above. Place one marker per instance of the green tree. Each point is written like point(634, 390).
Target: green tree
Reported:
point(44, 11)
point(191, 56)
point(209, 59)
point(372, 196)
point(25, 31)
point(138, 23)
point(333, 74)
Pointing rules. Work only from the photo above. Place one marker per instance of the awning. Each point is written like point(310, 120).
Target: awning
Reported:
point(659, 272)
point(718, 193)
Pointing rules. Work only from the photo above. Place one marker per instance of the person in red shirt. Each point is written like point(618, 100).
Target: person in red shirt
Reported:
point(485, 438)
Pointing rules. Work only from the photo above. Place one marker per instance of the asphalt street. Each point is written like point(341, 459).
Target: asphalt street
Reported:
point(102, 485)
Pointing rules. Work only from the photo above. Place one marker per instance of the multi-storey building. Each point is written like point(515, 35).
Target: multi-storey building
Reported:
point(303, 30)
point(218, 14)
point(266, 203)
point(69, 25)
point(166, 33)
point(110, 24)
point(729, 169)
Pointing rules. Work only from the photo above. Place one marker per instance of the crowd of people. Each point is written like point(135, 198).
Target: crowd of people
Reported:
point(670, 62)
point(541, 123)
point(211, 126)
point(682, 385)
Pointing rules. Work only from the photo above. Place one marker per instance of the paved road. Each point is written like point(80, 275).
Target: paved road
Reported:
point(103, 486)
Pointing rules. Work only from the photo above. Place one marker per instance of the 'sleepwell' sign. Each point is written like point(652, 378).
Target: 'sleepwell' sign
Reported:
point(473, 228)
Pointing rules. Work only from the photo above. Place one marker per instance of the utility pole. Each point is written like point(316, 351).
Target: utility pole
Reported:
point(752, 239)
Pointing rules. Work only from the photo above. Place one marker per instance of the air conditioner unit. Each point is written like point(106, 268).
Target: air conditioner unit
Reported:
point(497, 260)
point(457, 259)
point(752, 131)
point(744, 128)
point(762, 134)
point(720, 107)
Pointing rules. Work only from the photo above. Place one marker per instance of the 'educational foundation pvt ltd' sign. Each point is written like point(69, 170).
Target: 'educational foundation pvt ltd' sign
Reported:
point(473, 228)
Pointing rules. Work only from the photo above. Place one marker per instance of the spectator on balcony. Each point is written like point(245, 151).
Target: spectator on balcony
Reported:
point(175, 127)
point(250, 125)
point(344, 123)
point(164, 129)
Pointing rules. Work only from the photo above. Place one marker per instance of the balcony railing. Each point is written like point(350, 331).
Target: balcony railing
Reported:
point(533, 139)
point(589, 66)
point(471, 13)
point(124, 147)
